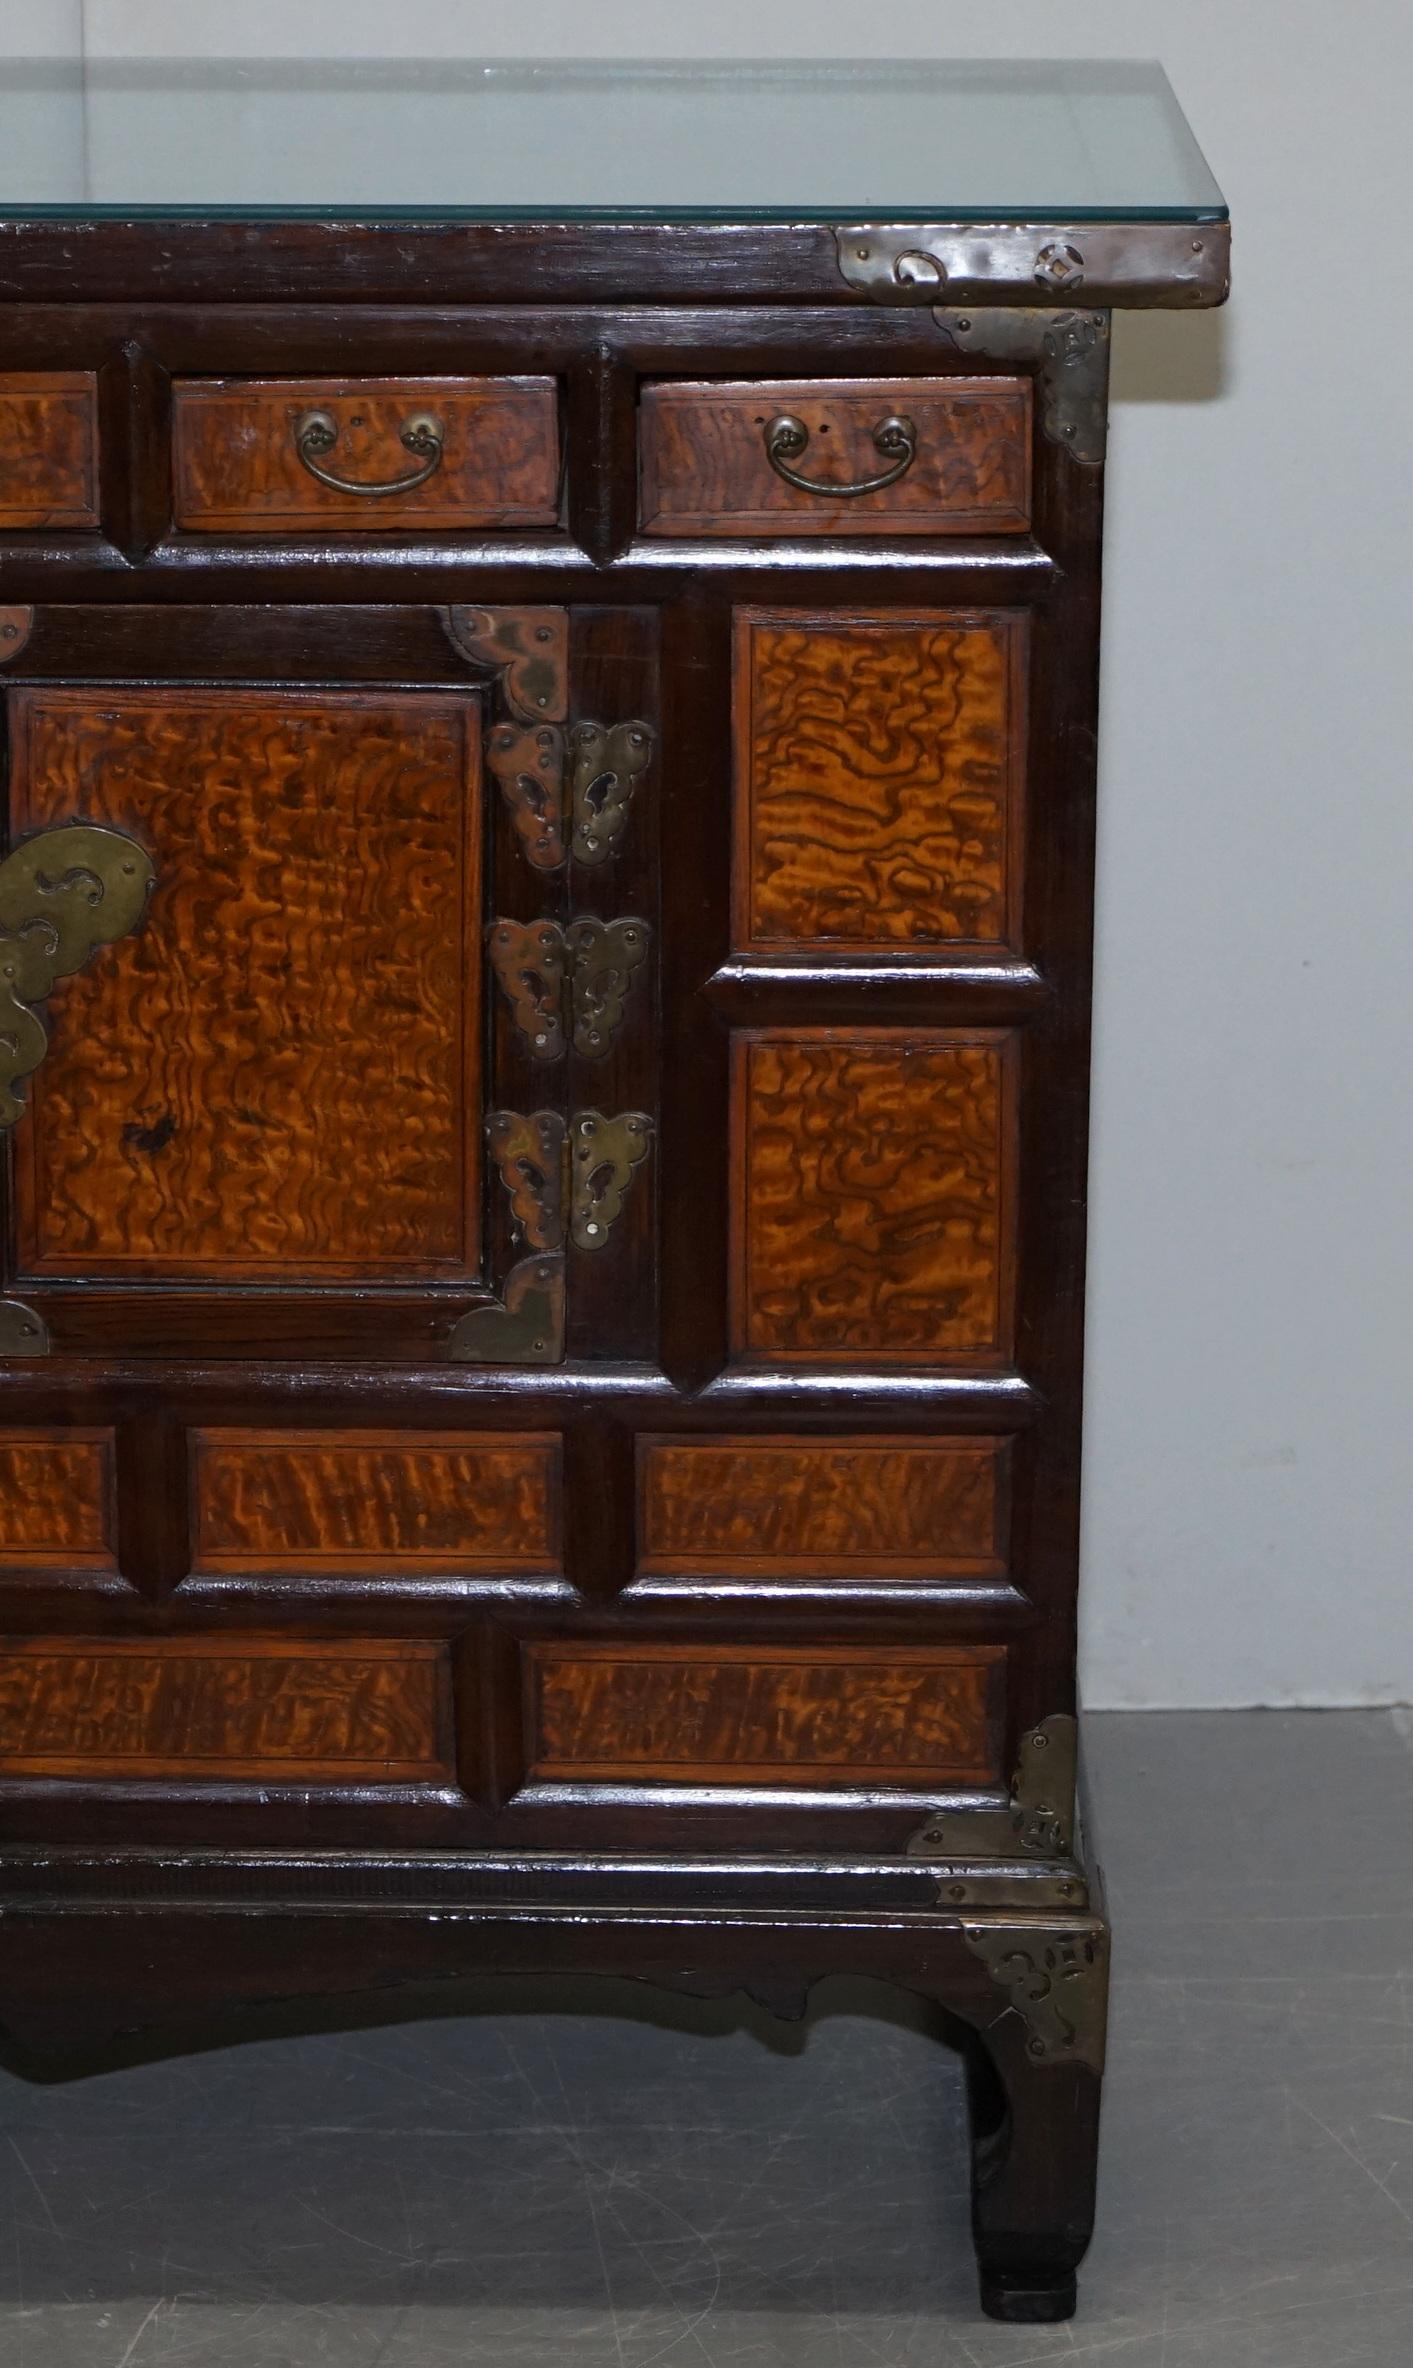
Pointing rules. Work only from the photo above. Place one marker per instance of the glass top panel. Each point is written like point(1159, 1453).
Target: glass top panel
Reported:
point(676, 140)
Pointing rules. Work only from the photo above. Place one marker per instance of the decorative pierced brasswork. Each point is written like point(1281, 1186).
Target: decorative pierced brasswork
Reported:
point(530, 647)
point(525, 1328)
point(606, 1152)
point(1039, 1822)
point(529, 959)
point(1070, 351)
point(529, 1153)
point(529, 765)
point(605, 958)
point(63, 893)
point(1056, 1980)
point(609, 760)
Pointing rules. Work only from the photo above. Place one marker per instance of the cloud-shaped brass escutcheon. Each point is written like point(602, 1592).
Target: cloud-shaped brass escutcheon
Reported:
point(63, 893)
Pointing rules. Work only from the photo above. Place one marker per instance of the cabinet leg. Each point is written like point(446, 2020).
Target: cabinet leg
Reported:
point(1034, 2147)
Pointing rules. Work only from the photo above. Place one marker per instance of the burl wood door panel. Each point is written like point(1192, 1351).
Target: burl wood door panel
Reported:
point(48, 448)
point(369, 1501)
point(262, 1709)
point(872, 1197)
point(237, 465)
point(879, 762)
point(706, 469)
point(764, 1714)
point(278, 1076)
point(56, 1501)
point(849, 1509)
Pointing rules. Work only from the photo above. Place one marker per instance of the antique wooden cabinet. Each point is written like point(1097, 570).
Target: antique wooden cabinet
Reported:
point(550, 698)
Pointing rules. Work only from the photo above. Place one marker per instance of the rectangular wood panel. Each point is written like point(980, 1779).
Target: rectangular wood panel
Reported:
point(878, 777)
point(763, 1714)
point(277, 1076)
point(375, 1500)
point(56, 1500)
point(706, 469)
point(823, 1508)
point(872, 1197)
point(266, 1709)
point(48, 448)
point(238, 469)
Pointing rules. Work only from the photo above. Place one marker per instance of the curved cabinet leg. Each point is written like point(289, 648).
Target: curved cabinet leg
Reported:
point(1035, 2081)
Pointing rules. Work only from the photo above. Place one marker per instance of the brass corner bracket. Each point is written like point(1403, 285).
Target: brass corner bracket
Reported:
point(567, 1177)
point(527, 647)
point(1056, 1978)
point(1069, 352)
point(1040, 1819)
point(592, 964)
point(63, 893)
point(525, 1328)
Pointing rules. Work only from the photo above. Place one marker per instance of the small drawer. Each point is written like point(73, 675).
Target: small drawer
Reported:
point(273, 455)
point(48, 448)
point(246, 1709)
point(934, 456)
point(828, 1715)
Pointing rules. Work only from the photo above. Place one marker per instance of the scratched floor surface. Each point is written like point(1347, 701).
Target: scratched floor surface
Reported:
point(575, 2188)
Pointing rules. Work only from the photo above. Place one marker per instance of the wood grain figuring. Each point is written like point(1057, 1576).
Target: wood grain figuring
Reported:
point(375, 1500)
point(878, 766)
point(48, 448)
point(238, 471)
point(278, 1075)
point(56, 1500)
point(823, 1508)
point(871, 1216)
point(264, 1709)
point(764, 1714)
point(705, 470)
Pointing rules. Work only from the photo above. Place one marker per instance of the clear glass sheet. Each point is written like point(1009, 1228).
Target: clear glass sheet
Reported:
point(735, 141)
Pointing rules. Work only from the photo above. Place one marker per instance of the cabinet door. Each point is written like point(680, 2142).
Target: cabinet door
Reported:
point(307, 977)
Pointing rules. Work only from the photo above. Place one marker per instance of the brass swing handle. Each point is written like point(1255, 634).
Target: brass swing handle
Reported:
point(786, 438)
point(317, 432)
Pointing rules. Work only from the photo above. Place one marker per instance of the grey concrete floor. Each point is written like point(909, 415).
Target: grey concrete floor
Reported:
point(574, 2187)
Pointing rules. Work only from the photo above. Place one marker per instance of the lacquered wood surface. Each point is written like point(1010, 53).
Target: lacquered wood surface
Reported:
point(824, 1508)
point(374, 1501)
point(879, 764)
point(237, 466)
point(871, 1214)
point(705, 470)
point(259, 1709)
point(279, 1075)
point(56, 1500)
point(764, 1714)
point(48, 449)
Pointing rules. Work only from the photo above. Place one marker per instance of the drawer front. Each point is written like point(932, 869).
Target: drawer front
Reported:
point(48, 448)
point(960, 464)
point(375, 1501)
point(847, 1509)
point(348, 1711)
point(764, 1714)
point(57, 1501)
point(257, 456)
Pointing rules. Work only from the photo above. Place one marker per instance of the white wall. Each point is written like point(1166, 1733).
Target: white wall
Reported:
point(1247, 1473)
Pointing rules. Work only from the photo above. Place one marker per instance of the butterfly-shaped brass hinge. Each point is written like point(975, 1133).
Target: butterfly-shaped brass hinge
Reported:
point(63, 893)
point(591, 965)
point(567, 1178)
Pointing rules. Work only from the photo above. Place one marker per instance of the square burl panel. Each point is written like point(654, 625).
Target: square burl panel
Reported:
point(872, 1195)
point(277, 1076)
point(879, 766)
point(57, 1507)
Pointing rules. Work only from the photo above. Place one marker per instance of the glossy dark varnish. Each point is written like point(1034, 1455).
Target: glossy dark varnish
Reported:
point(141, 1900)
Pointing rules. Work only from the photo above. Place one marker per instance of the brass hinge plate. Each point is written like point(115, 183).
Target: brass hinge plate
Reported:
point(567, 1176)
point(569, 797)
point(592, 964)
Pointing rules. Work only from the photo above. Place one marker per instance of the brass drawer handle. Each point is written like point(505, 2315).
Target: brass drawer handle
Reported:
point(787, 437)
point(317, 432)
